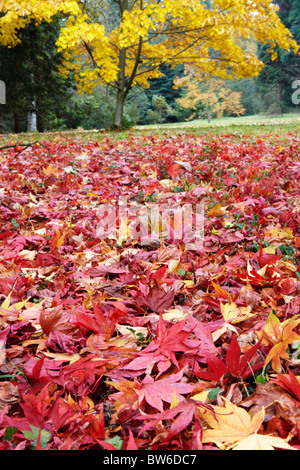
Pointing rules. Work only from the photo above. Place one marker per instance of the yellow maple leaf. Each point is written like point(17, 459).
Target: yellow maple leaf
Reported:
point(261, 442)
point(278, 335)
point(234, 314)
point(50, 170)
point(279, 234)
point(217, 210)
point(229, 424)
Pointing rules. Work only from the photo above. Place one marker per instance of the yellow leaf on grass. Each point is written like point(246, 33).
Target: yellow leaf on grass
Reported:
point(229, 424)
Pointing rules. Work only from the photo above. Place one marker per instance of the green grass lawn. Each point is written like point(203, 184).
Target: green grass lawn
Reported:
point(243, 124)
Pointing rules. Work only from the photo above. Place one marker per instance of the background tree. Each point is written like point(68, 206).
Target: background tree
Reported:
point(147, 34)
point(160, 110)
point(34, 87)
point(209, 98)
point(276, 78)
point(163, 86)
point(250, 97)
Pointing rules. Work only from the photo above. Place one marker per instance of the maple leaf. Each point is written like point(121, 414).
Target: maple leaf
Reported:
point(131, 445)
point(234, 314)
point(159, 391)
point(163, 347)
point(172, 340)
point(264, 259)
point(229, 424)
point(236, 364)
point(180, 416)
point(101, 322)
point(261, 442)
point(289, 383)
point(215, 211)
point(157, 298)
point(278, 335)
point(173, 170)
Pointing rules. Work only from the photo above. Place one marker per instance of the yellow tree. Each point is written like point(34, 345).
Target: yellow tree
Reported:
point(146, 34)
point(210, 94)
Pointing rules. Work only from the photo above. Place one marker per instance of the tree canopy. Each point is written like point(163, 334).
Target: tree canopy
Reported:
point(124, 43)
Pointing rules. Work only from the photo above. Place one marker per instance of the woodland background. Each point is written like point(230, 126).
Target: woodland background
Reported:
point(114, 341)
point(32, 69)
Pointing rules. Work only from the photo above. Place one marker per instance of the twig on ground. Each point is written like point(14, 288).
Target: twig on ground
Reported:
point(25, 146)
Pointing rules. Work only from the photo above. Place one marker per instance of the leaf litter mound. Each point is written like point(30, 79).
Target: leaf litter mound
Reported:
point(127, 343)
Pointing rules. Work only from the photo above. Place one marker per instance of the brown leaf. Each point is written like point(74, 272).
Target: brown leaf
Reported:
point(158, 299)
point(9, 395)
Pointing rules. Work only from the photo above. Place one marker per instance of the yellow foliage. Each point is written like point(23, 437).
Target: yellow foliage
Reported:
point(212, 93)
point(152, 33)
point(231, 427)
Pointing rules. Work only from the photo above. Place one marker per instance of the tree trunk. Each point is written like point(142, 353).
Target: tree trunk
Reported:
point(32, 120)
point(118, 118)
point(17, 123)
point(122, 86)
point(121, 94)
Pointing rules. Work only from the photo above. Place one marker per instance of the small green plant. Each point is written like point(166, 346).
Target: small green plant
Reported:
point(33, 435)
point(142, 341)
point(15, 224)
point(116, 441)
point(14, 376)
point(255, 220)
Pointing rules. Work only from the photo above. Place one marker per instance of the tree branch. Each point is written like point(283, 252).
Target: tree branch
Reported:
point(134, 70)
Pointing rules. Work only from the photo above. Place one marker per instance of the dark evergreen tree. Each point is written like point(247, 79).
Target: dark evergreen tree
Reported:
point(163, 86)
point(33, 83)
point(275, 80)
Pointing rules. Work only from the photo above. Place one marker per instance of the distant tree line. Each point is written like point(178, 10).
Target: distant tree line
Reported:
point(39, 97)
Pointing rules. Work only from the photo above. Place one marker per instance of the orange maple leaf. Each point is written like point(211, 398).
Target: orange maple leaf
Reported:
point(278, 335)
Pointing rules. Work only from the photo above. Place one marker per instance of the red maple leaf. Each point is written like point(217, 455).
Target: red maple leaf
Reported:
point(235, 363)
point(264, 258)
point(180, 417)
point(173, 169)
point(155, 392)
point(163, 348)
point(289, 383)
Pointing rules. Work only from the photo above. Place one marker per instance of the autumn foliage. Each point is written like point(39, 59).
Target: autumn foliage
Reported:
point(145, 344)
point(124, 43)
point(210, 94)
